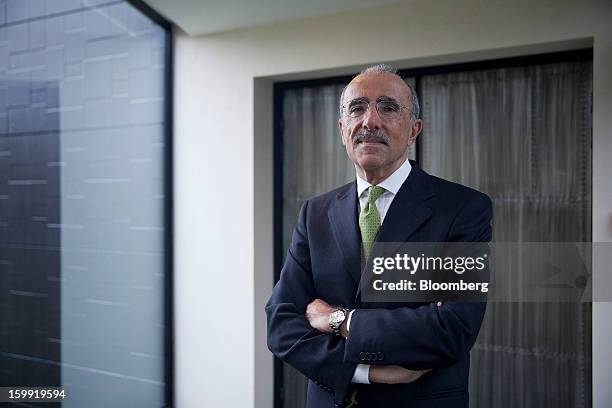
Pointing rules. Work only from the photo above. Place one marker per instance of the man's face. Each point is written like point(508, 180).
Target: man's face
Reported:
point(374, 142)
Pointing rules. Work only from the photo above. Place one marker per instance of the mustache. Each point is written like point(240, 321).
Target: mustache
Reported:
point(364, 135)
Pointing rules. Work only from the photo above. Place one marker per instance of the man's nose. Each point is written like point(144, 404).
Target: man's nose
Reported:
point(371, 119)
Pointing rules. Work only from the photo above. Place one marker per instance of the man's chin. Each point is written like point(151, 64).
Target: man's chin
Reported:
point(370, 162)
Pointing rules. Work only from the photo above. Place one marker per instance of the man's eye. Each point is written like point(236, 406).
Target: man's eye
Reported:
point(389, 107)
point(357, 109)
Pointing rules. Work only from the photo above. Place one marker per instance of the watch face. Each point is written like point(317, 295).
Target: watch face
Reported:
point(338, 316)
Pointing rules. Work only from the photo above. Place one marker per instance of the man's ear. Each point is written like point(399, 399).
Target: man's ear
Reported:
point(415, 130)
point(341, 129)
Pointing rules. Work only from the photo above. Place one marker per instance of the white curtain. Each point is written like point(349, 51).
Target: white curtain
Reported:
point(523, 136)
point(314, 159)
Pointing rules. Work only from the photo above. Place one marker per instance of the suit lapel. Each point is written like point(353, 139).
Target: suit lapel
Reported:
point(408, 210)
point(343, 219)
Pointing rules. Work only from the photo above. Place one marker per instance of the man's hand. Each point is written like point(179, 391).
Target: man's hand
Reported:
point(317, 314)
point(394, 374)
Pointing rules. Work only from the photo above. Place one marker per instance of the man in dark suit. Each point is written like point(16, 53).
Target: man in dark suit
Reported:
point(359, 354)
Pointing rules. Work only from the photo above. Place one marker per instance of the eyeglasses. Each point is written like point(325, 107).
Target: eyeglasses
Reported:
point(387, 108)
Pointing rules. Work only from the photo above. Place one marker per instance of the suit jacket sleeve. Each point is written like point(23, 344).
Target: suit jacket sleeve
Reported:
point(319, 356)
point(427, 336)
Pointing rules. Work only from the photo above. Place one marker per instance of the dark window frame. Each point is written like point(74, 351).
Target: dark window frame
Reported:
point(278, 148)
point(169, 389)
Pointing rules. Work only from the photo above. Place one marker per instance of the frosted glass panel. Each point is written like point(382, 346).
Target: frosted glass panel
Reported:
point(82, 225)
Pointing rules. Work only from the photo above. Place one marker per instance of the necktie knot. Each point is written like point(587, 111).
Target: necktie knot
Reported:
point(369, 219)
point(375, 192)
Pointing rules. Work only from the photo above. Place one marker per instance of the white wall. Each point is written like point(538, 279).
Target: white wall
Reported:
point(223, 165)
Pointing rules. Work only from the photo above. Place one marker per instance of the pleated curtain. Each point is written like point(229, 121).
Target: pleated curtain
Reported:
point(523, 136)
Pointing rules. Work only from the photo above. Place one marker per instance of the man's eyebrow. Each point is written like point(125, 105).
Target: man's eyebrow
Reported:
point(386, 98)
point(362, 99)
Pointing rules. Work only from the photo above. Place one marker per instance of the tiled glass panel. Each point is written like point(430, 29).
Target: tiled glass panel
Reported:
point(82, 247)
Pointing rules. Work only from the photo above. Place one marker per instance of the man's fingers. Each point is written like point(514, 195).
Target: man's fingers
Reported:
point(318, 305)
point(317, 315)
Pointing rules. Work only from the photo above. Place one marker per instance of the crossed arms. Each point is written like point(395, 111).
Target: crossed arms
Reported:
point(423, 338)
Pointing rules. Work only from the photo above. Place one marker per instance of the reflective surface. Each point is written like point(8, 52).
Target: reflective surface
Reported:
point(82, 201)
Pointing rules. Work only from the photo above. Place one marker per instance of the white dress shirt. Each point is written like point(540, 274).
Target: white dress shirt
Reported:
point(391, 184)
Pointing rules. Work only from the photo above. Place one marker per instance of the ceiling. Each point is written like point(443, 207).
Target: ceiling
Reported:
point(199, 17)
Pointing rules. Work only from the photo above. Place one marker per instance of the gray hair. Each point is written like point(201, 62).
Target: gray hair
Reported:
point(378, 69)
point(415, 108)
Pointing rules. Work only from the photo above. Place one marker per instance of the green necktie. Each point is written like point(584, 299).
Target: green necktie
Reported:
point(369, 219)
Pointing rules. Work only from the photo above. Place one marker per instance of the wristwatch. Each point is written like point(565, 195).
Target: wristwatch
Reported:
point(336, 318)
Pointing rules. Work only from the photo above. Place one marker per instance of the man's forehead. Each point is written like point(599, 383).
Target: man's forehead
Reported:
point(375, 85)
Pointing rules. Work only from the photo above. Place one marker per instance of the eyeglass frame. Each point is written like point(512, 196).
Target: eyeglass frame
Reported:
point(377, 101)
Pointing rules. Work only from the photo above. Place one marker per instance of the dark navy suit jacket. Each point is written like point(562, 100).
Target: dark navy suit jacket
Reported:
point(324, 261)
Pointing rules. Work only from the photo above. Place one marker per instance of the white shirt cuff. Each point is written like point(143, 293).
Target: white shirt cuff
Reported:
point(361, 374)
point(362, 371)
